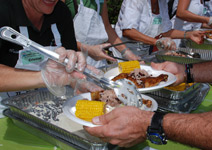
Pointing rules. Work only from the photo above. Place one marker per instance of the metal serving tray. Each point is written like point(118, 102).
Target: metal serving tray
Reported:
point(184, 105)
point(206, 55)
point(22, 104)
point(175, 95)
point(35, 129)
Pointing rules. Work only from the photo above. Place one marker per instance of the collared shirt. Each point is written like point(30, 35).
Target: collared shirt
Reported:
point(12, 14)
point(137, 14)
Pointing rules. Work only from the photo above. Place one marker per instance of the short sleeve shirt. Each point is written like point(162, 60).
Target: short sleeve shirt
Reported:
point(12, 14)
point(137, 14)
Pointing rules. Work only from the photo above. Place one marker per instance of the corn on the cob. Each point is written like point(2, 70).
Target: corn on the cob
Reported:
point(87, 110)
point(127, 67)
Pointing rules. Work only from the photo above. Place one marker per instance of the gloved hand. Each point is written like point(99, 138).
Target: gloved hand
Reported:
point(128, 54)
point(57, 76)
point(84, 86)
point(97, 53)
point(165, 44)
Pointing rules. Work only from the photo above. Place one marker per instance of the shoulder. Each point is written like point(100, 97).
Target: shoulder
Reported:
point(61, 6)
point(4, 4)
point(7, 10)
point(61, 10)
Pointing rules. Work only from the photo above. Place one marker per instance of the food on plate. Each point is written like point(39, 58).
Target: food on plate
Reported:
point(102, 102)
point(128, 66)
point(208, 34)
point(146, 102)
point(87, 110)
point(107, 96)
point(141, 78)
point(110, 98)
point(180, 87)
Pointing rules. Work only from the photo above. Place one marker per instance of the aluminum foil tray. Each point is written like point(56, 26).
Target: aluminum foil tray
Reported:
point(184, 105)
point(175, 95)
point(206, 55)
point(21, 106)
point(35, 129)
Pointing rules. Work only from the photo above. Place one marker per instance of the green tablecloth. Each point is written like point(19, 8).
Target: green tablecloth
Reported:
point(15, 138)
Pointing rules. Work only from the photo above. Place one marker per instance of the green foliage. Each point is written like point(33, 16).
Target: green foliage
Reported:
point(113, 10)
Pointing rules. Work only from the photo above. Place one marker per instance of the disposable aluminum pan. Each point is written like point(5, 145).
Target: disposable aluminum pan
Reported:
point(184, 105)
point(175, 95)
point(22, 105)
point(206, 55)
point(35, 129)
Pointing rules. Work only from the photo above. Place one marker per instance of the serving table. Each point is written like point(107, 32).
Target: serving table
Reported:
point(15, 138)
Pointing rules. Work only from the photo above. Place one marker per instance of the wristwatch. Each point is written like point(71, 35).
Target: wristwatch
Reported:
point(155, 131)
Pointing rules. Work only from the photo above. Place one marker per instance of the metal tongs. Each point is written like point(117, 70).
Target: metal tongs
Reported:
point(124, 89)
point(13, 36)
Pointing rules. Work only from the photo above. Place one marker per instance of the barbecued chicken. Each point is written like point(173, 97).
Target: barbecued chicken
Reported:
point(141, 79)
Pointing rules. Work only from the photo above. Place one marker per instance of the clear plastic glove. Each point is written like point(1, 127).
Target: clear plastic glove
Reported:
point(88, 84)
point(97, 53)
point(84, 86)
point(165, 44)
point(128, 54)
point(57, 76)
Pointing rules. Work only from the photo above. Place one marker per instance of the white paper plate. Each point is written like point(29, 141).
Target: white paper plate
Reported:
point(69, 108)
point(171, 78)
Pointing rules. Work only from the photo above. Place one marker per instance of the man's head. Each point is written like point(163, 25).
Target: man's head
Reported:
point(40, 6)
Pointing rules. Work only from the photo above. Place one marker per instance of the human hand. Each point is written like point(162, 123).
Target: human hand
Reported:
point(56, 76)
point(97, 52)
point(128, 54)
point(165, 44)
point(84, 86)
point(177, 69)
point(196, 36)
point(124, 126)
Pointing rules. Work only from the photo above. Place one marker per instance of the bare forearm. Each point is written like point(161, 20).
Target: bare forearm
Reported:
point(174, 34)
point(189, 16)
point(138, 36)
point(112, 36)
point(191, 129)
point(17, 79)
point(184, 14)
point(202, 72)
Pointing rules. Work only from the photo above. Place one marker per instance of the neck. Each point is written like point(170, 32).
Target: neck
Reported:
point(33, 15)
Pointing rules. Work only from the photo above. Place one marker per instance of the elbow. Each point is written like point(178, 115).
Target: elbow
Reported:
point(180, 15)
point(126, 32)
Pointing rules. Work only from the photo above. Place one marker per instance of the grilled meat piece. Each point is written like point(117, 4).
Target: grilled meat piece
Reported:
point(143, 82)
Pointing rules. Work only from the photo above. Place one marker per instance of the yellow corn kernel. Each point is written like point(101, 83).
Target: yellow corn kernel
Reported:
point(87, 110)
point(128, 66)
